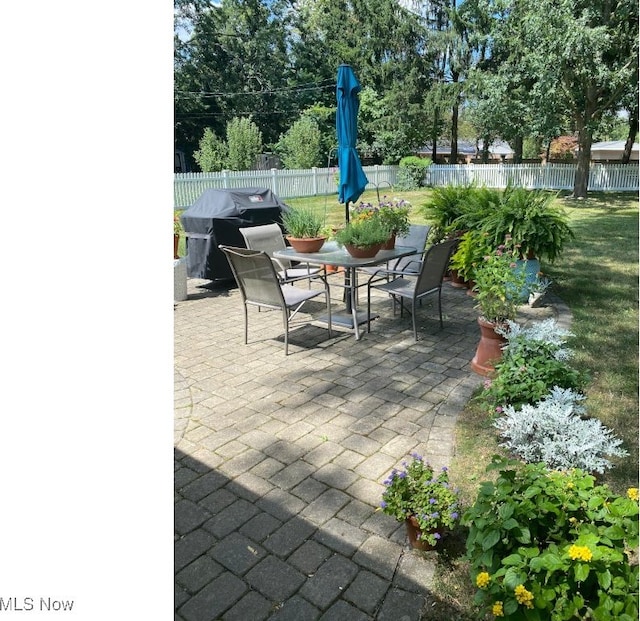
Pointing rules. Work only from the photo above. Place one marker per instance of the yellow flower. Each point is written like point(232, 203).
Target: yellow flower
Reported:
point(632, 493)
point(580, 553)
point(482, 579)
point(497, 610)
point(523, 596)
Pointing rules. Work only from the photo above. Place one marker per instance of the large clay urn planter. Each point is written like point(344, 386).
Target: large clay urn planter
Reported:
point(489, 348)
point(306, 244)
point(414, 533)
point(363, 252)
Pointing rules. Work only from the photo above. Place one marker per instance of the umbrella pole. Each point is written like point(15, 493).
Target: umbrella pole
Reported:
point(347, 275)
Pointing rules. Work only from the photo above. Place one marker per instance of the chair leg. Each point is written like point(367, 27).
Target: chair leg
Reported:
point(327, 293)
point(368, 307)
point(440, 306)
point(246, 324)
point(413, 319)
point(285, 319)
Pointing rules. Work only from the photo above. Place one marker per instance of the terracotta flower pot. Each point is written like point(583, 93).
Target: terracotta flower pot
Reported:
point(366, 252)
point(489, 348)
point(415, 535)
point(457, 280)
point(306, 244)
point(390, 244)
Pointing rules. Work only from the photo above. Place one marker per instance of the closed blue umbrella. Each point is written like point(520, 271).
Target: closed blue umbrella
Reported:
point(353, 181)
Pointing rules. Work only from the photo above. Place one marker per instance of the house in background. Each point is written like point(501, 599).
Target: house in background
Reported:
point(612, 151)
point(468, 152)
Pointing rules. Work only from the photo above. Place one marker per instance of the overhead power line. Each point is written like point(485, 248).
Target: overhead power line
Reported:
point(319, 86)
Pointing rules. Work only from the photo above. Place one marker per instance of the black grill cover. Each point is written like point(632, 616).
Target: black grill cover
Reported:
point(215, 219)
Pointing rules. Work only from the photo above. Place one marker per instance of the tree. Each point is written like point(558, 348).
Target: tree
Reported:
point(300, 145)
point(244, 144)
point(211, 156)
point(578, 56)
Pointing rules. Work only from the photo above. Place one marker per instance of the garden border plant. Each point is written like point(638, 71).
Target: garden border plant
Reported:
point(553, 545)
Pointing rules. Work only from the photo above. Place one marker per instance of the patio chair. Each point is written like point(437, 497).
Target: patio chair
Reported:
point(259, 286)
point(268, 238)
point(428, 281)
point(407, 266)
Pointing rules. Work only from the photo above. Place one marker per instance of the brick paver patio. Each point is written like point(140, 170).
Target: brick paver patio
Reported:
point(279, 461)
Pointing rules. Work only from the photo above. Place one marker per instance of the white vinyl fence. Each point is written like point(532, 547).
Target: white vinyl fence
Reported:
point(322, 181)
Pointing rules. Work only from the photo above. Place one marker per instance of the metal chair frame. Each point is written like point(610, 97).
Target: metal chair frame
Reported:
point(426, 282)
point(260, 286)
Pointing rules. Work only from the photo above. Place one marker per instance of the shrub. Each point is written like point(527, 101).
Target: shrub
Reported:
point(544, 544)
point(244, 143)
point(212, 154)
point(534, 360)
point(553, 431)
point(300, 145)
point(446, 205)
point(411, 172)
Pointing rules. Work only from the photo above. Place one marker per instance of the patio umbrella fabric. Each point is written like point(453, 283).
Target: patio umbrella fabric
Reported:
point(353, 181)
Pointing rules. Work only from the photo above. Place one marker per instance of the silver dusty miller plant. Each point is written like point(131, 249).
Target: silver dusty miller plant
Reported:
point(540, 332)
point(554, 431)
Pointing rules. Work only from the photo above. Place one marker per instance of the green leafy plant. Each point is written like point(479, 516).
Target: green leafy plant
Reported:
point(416, 491)
point(471, 250)
point(498, 283)
point(363, 233)
point(534, 360)
point(446, 205)
point(546, 544)
point(301, 222)
point(393, 213)
point(177, 225)
point(532, 220)
point(411, 172)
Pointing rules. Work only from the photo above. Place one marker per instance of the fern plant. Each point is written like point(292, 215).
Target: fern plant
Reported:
point(532, 220)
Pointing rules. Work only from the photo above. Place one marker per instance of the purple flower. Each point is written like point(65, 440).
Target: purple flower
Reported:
point(387, 482)
point(383, 504)
point(416, 456)
point(454, 515)
point(435, 514)
point(444, 468)
point(403, 475)
point(432, 501)
point(436, 535)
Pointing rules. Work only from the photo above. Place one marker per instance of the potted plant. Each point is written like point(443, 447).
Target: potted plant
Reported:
point(471, 250)
point(533, 221)
point(499, 281)
point(393, 214)
point(423, 500)
point(363, 237)
point(445, 207)
point(304, 228)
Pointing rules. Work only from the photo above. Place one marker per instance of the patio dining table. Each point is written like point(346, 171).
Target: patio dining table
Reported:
point(334, 255)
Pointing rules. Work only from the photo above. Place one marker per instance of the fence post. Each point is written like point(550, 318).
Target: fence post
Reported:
point(314, 179)
point(274, 180)
point(225, 178)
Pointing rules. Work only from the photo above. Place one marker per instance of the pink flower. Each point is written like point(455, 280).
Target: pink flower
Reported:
point(499, 409)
